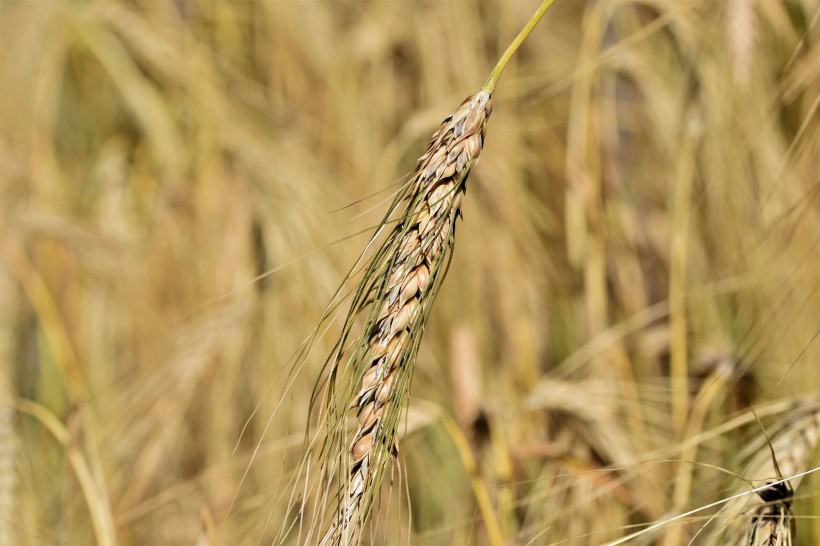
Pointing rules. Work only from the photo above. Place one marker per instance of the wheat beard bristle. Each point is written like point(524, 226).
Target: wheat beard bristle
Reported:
point(401, 282)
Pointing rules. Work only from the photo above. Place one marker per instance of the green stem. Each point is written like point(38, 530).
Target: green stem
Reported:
point(482, 496)
point(489, 84)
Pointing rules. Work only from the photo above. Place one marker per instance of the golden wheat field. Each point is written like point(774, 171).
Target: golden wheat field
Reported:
point(628, 331)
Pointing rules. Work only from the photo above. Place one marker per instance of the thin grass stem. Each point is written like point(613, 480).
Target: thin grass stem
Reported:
point(492, 79)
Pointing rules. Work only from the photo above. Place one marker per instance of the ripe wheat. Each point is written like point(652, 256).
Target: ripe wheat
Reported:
point(794, 443)
point(395, 295)
point(773, 523)
point(399, 287)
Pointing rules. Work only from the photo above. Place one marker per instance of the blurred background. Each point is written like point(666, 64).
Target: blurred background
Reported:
point(185, 183)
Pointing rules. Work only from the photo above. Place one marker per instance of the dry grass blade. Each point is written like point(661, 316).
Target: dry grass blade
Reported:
point(396, 294)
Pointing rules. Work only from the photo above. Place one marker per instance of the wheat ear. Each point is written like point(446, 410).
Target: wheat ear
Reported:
point(396, 293)
point(401, 282)
point(773, 523)
point(794, 442)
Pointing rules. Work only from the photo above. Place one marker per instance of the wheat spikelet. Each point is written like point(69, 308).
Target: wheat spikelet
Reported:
point(397, 292)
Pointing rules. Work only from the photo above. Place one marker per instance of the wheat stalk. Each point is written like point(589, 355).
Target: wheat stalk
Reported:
point(396, 294)
point(9, 442)
point(742, 35)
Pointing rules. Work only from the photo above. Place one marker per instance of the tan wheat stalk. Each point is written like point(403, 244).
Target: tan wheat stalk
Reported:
point(742, 34)
point(371, 373)
point(9, 448)
point(9, 512)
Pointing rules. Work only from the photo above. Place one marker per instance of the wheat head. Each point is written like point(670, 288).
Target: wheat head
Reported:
point(773, 523)
point(396, 294)
point(794, 442)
